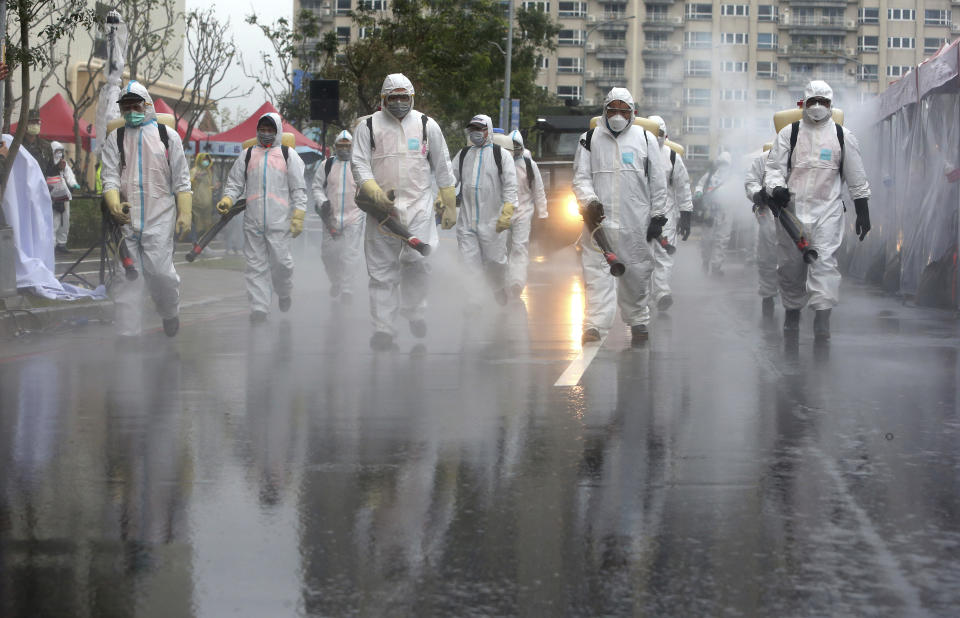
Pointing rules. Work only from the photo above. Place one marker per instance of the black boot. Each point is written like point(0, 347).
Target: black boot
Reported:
point(768, 307)
point(821, 325)
point(418, 328)
point(258, 317)
point(590, 335)
point(791, 321)
point(638, 335)
point(285, 302)
point(171, 326)
point(381, 341)
point(664, 303)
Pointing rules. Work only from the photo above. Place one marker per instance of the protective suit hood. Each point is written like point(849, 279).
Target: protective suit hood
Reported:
point(343, 136)
point(55, 146)
point(483, 118)
point(201, 157)
point(619, 94)
point(662, 138)
point(394, 81)
point(137, 88)
point(820, 89)
point(517, 138)
point(275, 119)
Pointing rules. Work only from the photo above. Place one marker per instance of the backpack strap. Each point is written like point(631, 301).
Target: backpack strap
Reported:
point(461, 155)
point(327, 166)
point(673, 166)
point(123, 158)
point(286, 153)
point(246, 163)
point(646, 161)
point(373, 144)
point(529, 172)
point(162, 129)
point(498, 159)
point(423, 131)
point(794, 130)
point(585, 142)
point(840, 139)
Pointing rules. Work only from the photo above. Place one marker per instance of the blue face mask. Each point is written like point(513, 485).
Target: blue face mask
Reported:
point(134, 119)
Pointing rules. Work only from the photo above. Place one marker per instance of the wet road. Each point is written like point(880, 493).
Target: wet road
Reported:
point(287, 470)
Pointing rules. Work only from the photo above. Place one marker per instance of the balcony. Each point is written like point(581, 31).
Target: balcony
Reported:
point(660, 49)
point(662, 23)
point(799, 80)
point(813, 52)
point(609, 51)
point(606, 81)
point(815, 24)
point(613, 26)
point(837, 4)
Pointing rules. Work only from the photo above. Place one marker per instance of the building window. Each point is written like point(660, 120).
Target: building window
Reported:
point(367, 31)
point(897, 71)
point(733, 94)
point(734, 38)
point(698, 68)
point(868, 16)
point(732, 66)
point(735, 10)
point(568, 92)
point(766, 97)
point(932, 45)
point(731, 122)
point(614, 68)
point(901, 14)
point(569, 9)
point(545, 7)
point(768, 12)
point(697, 40)
point(699, 11)
point(656, 12)
point(696, 96)
point(936, 17)
point(698, 152)
point(544, 62)
point(766, 40)
point(343, 35)
point(901, 42)
point(696, 124)
point(653, 69)
point(372, 5)
point(570, 37)
point(343, 7)
point(613, 11)
point(569, 65)
point(766, 70)
point(868, 43)
point(616, 39)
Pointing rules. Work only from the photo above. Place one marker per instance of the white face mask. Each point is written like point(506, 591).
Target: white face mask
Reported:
point(661, 140)
point(476, 138)
point(818, 112)
point(617, 123)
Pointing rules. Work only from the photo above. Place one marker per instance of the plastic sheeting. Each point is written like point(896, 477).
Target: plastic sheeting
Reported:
point(912, 155)
point(107, 108)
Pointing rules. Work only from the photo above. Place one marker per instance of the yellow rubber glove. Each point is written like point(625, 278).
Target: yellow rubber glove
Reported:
point(184, 211)
point(503, 223)
point(374, 194)
point(115, 206)
point(296, 222)
point(448, 195)
point(224, 204)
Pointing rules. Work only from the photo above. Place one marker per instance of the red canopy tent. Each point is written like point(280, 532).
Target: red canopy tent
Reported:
point(56, 118)
point(229, 142)
point(161, 107)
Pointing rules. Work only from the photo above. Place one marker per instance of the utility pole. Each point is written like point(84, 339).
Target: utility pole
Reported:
point(505, 102)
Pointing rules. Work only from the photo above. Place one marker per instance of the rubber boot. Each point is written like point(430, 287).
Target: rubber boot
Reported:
point(767, 307)
point(285, 302)
point(638, 335)
point(171, 326)
point(664, 303)
point(516, 290)
point(381, 341)
point(258, 317)
point(590, 335)
point(791, 321)
point(821, 325)
point(418, 328)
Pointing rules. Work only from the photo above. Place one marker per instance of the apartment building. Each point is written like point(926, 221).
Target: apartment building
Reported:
point(712, 67)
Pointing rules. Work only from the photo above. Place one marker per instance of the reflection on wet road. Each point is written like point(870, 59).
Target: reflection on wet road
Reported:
point(287, 470)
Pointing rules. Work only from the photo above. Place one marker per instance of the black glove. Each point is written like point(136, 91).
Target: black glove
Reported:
point(758, 199)
point(863, 217)
point(684, 228)
point(779, 199)
point(323, 209)
point(655, 228)
point(592, 214)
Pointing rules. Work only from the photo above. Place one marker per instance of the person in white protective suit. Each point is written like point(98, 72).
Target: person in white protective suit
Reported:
point(335, 191)
point(531, 197)
point(271, 177)
point(808, 178)
point(488, 190)
point(61, 210)
point(766, 234)
point(146, 186)
point(400, 150)
point(718, 220)
point(619, 173)
point(679, 209)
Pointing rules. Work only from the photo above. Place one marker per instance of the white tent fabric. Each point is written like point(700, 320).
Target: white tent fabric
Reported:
point(27, 207)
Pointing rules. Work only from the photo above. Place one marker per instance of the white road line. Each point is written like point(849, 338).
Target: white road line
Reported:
point(573, 373)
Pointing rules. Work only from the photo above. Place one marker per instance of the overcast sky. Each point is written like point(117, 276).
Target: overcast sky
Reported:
point(249, 38)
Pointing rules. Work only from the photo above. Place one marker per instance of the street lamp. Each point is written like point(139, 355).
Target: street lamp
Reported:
point(583, 64)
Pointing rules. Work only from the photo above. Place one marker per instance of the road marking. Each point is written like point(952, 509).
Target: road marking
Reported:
point(571, 377)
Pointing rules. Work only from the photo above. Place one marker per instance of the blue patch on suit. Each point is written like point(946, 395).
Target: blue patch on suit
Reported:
point(627, 158)
point(826, 154)
point(413, 143)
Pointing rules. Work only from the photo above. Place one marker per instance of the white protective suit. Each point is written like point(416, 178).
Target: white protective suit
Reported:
point(61, 220)
point(399, 160)
point(341, 253)
point(273, 188)
point(484, 190)
point(627, 175)
point(530, 197)
point(150, 181)
point(766, 230)
point(815, 180)
point(678, 199)
point(716, 236)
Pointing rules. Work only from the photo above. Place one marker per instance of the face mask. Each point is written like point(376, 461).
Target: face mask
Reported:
point(818, 112)
point(265, 138)
point(33, 129)
point(476, 138)
point(57, 157)
point(205, 163)
point(617, 123)
point(134, 119)
point(517, 153)
point(399, 109)
point(343, 153)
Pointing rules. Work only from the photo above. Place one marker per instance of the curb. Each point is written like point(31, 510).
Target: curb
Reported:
point(24, 317)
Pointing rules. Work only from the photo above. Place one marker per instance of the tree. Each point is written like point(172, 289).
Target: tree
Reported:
point(152, 25)
point(26, 53)
point(212, 51)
